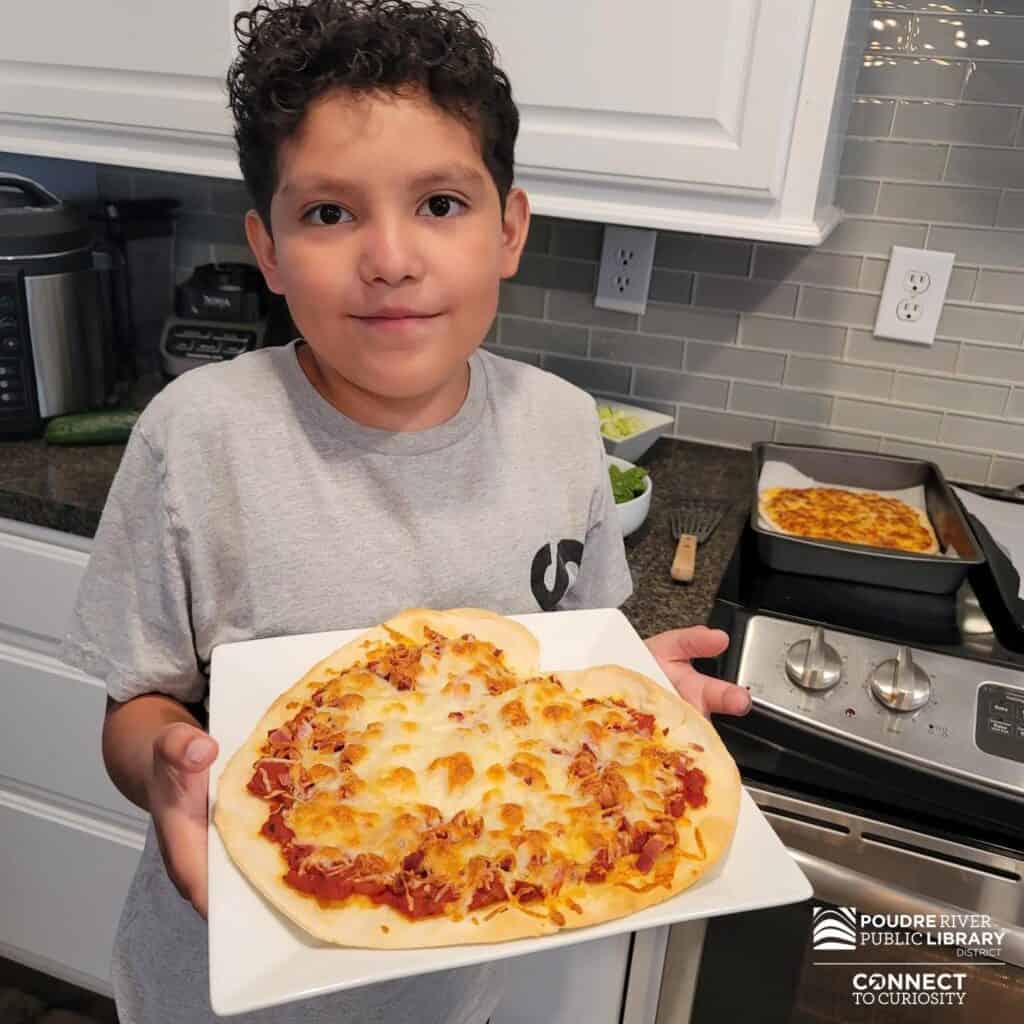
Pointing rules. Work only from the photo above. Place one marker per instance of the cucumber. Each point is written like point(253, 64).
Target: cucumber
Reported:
point(91, 428)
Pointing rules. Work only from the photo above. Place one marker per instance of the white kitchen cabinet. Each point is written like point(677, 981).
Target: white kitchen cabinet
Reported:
point(722, 117)
point(70, 840)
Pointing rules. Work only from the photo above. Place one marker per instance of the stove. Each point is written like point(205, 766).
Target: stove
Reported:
point(901, 703)
point(885, 745)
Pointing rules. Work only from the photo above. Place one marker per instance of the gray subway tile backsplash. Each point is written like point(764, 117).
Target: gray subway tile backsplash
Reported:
point(871, 117)
point(957, 395)
point(899, 161)
point(831, 377)
point(523, 332)
point(912, 76)
point(590, 374)
point(988, 435)
point(744, 294)
point(798, 264)
point(993, 81)
point(732, 361)
point(832, 306)
point(1006, 472)
point(965, 467)
point(938, 203)
point(780, 403)
point(578, 307)
point(524, 300)
point(803, 433)
point(1000, 287)
point(887, 420)
point(704, 325)
point(993, 248)
point(1011, 209)
point(641, 349)
point(940, 357)
point(687, 388)
point(965, 123)
point(1000, 364)
point(969, 323)
point(999, 168)
point(745, 341)
point(873, 237)
point(792, 336)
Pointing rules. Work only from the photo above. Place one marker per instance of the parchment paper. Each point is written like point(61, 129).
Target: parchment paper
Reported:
point(1004, 520)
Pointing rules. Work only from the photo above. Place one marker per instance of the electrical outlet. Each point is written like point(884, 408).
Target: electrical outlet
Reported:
point(913, 294)
point(908, 311)
point(624, 277)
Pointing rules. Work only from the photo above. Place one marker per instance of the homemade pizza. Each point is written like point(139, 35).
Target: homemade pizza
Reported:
point(855, 517)
point(426, 785)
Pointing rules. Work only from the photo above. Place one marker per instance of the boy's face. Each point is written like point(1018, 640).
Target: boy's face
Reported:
point(389, 243)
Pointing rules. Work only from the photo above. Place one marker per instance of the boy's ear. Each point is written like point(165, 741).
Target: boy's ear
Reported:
point(262, 244)
point(515, 226)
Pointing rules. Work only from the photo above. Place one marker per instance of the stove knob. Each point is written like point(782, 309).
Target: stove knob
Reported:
point(899, 684)
point(813, 664)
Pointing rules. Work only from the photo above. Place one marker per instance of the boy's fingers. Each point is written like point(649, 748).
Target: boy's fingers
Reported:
point(185, 747)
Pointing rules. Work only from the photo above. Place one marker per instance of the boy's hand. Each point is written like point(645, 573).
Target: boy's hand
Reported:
point(673, 650)
point(177, 797)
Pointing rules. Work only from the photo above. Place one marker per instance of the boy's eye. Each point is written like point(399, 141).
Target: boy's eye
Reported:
point(442, 206)
point(326, 214)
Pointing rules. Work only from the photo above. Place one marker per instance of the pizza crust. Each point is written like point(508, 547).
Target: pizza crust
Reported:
point(239, 815)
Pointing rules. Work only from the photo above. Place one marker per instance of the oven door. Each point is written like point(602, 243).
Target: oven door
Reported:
point(903, 926)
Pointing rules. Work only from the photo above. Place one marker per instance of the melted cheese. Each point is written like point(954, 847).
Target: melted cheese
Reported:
point(506, 780)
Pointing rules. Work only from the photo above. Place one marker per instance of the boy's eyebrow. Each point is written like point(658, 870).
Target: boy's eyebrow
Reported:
point(457, 174)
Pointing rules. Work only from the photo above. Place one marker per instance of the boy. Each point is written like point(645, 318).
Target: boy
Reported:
point(378, 462)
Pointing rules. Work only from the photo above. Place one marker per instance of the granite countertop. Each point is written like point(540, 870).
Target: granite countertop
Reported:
point(64, 489)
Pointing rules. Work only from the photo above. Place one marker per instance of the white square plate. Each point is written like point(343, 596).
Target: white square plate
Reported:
point(259, 959)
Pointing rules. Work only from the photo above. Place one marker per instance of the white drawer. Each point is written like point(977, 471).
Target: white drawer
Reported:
point(38, 581)
point(55, 717)
point(63, 882)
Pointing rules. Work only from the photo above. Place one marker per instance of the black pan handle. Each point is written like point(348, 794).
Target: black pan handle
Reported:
point(31, 188)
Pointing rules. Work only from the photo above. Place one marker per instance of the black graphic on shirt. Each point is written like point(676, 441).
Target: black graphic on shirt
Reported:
point(567, 552)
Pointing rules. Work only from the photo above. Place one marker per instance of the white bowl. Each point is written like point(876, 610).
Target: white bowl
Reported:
point(653, 425)
point(632, 513)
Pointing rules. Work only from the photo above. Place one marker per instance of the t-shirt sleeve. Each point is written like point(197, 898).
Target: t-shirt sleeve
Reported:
point(130, 626)
point(604, 579)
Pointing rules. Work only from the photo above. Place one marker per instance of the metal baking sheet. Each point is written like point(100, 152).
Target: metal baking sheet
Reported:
point(843, 467)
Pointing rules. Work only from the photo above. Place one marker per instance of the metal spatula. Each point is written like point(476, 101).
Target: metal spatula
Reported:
point(691, 524)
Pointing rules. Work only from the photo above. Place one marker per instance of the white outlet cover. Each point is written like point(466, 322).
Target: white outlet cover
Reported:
point(627, 261)
point(903, 283)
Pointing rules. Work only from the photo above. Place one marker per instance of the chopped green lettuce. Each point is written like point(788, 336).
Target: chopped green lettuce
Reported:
point(616, 424)
point(627, 484)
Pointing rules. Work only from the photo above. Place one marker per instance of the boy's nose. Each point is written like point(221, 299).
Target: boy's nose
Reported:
point(390, 253)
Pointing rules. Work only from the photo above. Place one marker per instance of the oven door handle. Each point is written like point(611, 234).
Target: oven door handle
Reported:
point(838, 884)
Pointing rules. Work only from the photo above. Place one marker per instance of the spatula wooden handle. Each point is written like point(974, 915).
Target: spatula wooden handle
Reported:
point(686, 555)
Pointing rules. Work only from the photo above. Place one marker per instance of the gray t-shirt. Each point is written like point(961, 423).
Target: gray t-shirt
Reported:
point(247, 506)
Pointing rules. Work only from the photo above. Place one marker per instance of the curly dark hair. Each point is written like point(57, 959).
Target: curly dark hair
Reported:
point(293, 51)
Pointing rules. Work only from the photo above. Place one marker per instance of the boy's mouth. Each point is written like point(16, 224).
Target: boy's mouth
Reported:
point(397, 318)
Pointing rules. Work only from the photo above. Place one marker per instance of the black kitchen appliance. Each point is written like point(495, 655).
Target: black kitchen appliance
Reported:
point(886, 747)
point(55, 355)
point(221, 311)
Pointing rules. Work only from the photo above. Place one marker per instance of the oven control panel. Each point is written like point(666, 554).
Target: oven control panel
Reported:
point(999, 726)
point(951, 715)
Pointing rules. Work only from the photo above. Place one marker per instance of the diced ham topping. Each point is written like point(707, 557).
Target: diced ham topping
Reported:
point(649, 854)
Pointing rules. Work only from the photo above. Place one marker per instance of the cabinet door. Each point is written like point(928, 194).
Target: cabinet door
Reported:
point(53, 745)
point(63, 881)
point(120, 62)
point(684, 96)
